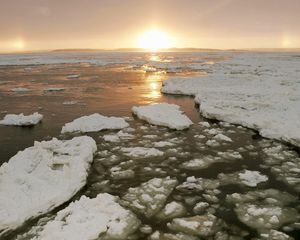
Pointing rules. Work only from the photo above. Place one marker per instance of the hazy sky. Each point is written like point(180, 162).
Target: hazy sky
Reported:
point(51, 24)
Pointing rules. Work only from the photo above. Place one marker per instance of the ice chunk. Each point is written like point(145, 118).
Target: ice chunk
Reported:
point(141, 152)
point(73, 76)
point(204, 225)
point(86, 219)
point(222, 137)
point(163, 114)
point(252, 178)
point(150, 196)
point(94, 123)
point(246, 177)
point(198, 184)
point(21, 119)
point(172, 210)
point(42, 177)
point(21, 89)
point(264, 209)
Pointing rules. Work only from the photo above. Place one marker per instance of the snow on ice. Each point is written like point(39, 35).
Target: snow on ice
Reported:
point(21, 119)
point(94, 123)
point(42, 177)
point(163, 114)
point(91, 218)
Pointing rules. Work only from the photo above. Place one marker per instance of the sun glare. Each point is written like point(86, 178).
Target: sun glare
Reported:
point(154, 40)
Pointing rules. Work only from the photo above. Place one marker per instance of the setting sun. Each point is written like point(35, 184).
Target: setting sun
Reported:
point(155, 39)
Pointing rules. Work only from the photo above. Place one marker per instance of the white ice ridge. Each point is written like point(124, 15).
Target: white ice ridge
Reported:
point(259, 91)
point(42, 177)
point(163, 114)
point(94, 123)
point(87, 219)
point(21, 119)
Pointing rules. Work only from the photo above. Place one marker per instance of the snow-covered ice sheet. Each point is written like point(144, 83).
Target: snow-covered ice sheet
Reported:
point(87, 219)
point(94, 123)
point(21, 119)
point(163, 114)
point(42, 177)
point(259, 91)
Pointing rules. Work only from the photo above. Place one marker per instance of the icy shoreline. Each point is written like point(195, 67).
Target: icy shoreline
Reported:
point(257, 92)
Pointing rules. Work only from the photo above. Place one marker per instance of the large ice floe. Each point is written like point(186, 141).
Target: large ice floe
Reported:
point(163, 114)
point(94, 123)
point(42, 177)
point(21, 119)
point(259, 91)
point(87, 219)
point(264, 210)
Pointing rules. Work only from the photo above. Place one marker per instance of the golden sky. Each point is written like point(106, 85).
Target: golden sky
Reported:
point(27, 25)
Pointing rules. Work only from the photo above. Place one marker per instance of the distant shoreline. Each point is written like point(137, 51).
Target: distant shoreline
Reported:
point(76, 50)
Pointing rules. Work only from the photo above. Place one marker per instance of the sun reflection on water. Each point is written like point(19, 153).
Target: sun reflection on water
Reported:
point(153, 82)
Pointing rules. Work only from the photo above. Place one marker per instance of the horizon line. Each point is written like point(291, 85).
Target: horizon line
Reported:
point(174, 49)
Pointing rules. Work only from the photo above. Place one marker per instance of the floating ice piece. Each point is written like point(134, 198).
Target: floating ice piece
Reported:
point(221, 137)
point(150, 196)
point(42, 177)
point(264, 209)
point(141, 152)
point(200, 163)
point(203, 226)
point(252, 178)
point(198, 184)
point(73, 76)
point(70, 102)
point(54, 89)
point(21, 119)
point(87, 219)
point(163, 114)
point(21, 89)
point(246, 177)
point(94, 123)
point(172, 210)
point(162, 144)
point(275, 235)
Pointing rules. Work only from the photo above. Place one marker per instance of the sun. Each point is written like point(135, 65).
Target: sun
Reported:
point(154, 40)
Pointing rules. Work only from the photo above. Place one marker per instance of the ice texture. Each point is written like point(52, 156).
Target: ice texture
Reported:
point(87, 219)
point(141, 152)
point(163, 114)
point(258, 91)
point(149, 197)
point(203, 226)
point(94, 123)
point(21, 119)
point(42, 177)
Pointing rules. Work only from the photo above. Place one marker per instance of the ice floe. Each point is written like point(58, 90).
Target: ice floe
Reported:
point(149, 197)
point(246, 177)
point(21, 89)
point(94, 123)
point(91, 218)
point(21, 119)
point(254, 90)
point(163, 114)
point(42, 177)
point(264, 210)
point(199, 225)
point(142, 152)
